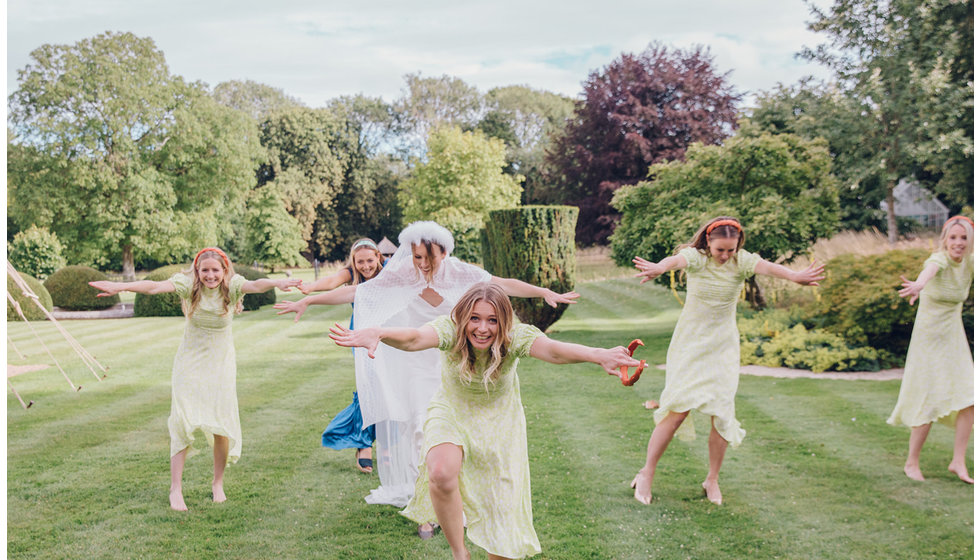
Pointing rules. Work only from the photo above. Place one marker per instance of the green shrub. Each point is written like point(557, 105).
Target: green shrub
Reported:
point(30, 310)
point(168, 305)
point(36, 251)
point(70, 291)
point(779, 338)
point(859, 299)
point(160, 305)
point(535, 244)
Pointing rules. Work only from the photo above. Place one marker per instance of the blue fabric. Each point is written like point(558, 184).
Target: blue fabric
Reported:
point(346, 430)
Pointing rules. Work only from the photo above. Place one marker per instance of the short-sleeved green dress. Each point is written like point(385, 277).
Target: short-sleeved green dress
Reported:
point(703, 356)
point(489, 425)
point(204, 394)
point(938, 377)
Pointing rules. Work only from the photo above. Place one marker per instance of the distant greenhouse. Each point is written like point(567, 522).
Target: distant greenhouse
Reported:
point(917, 203)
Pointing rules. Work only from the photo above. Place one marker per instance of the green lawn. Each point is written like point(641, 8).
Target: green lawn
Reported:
point(818, 476)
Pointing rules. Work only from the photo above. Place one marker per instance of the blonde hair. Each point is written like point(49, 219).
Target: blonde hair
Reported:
point(463, 351)
point(361, 244)
point(190, 306)
point(957, 221)
point(721, 231)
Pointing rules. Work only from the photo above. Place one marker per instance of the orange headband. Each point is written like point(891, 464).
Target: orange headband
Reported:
point(221, 253)
point(732, 223)
point(958, 218)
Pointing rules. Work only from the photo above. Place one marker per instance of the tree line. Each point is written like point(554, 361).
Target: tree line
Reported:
point(129, 164)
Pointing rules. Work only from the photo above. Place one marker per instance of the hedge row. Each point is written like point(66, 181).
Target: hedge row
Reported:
point(168, 305)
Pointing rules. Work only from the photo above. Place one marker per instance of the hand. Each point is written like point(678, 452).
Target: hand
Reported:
point(811, 276)
point(648, 270)
point(612, 359)
point(287, 284)
point(910, 288)
point(361, 338)
point(297, 307)
point(105, 287)
point(553, 298)
point(305, 288)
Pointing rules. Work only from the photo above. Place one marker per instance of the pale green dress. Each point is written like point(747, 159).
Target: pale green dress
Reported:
point(703, 356)
point(489, 425)
point(938, 377)
point(204, 395)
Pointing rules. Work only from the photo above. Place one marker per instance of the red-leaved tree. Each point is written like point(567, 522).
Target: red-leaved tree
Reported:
point(642, 109)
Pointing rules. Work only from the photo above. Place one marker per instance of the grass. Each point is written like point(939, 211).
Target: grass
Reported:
point(818, 475)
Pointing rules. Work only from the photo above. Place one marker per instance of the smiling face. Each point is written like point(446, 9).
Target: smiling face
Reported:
point(957, 241)
point(722, 249)
point(366, 262)
point(481, 328)
point(427, 263)
point(210, 271)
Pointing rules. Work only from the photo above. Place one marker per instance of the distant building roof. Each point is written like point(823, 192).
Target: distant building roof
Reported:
point(387, 247)
point(913, 201)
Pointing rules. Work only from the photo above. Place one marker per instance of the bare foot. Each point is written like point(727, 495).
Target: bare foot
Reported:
point(712, 491)
point(426, 531)
point(218, 492)
point(642, 488)
point(960, 471)
point(177, 500)
point(913, 472)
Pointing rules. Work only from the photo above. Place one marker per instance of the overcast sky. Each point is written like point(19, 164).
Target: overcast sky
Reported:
point(316, 50)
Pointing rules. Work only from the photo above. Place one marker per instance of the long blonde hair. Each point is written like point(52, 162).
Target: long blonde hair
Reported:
point(190, 306)
point(363, 244)
point(463, 351)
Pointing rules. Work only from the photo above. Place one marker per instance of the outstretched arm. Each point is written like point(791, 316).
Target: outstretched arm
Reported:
point(810, 276)
point(911, 289)
point(333, 297)
point(409, 340)
point(557, 352)
point(326, 283)
point(266, 284)
point(650, 270)
point(517, 288)
point(150, 287)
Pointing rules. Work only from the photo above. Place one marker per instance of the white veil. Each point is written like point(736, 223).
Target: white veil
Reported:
point(394, 389)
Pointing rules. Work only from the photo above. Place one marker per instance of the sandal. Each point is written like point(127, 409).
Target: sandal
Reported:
point(426, 534)
point(364, 465)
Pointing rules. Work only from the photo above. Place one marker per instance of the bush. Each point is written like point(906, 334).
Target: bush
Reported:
point(168, 305)
point(859, 299)
point(779, 338)
point(30, 310)
point(36, 251)
point(535, 244)
point(69, 289)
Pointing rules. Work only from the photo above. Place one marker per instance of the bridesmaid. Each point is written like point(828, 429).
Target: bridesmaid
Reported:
point(938, 381)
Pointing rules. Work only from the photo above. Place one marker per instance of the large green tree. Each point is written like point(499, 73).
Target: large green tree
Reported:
point(433, 102)
point(906, 69)
point(119, 157)
point(459, 182)
point(778, 186)
point(257, 100)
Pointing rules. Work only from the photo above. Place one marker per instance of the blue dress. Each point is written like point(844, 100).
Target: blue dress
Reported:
point(346, 430)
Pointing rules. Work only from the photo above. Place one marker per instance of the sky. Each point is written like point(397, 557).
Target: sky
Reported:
point(316, 50)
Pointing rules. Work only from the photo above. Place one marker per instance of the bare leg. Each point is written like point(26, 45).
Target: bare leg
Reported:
point(176, 480)
point(659, 440)
point(220, 461)
point(916, 439)
point(443, 463)
point(717, 446)
point(964, 425)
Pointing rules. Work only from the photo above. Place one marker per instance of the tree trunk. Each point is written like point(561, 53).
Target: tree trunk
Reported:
point(128, 265)
point(892, 222)
point(754, 294)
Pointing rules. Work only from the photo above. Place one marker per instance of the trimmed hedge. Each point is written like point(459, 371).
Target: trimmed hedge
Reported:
point(36, 251)
point(535, 244)
point(31, 311)
point(168, 305)
point(70, 291)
